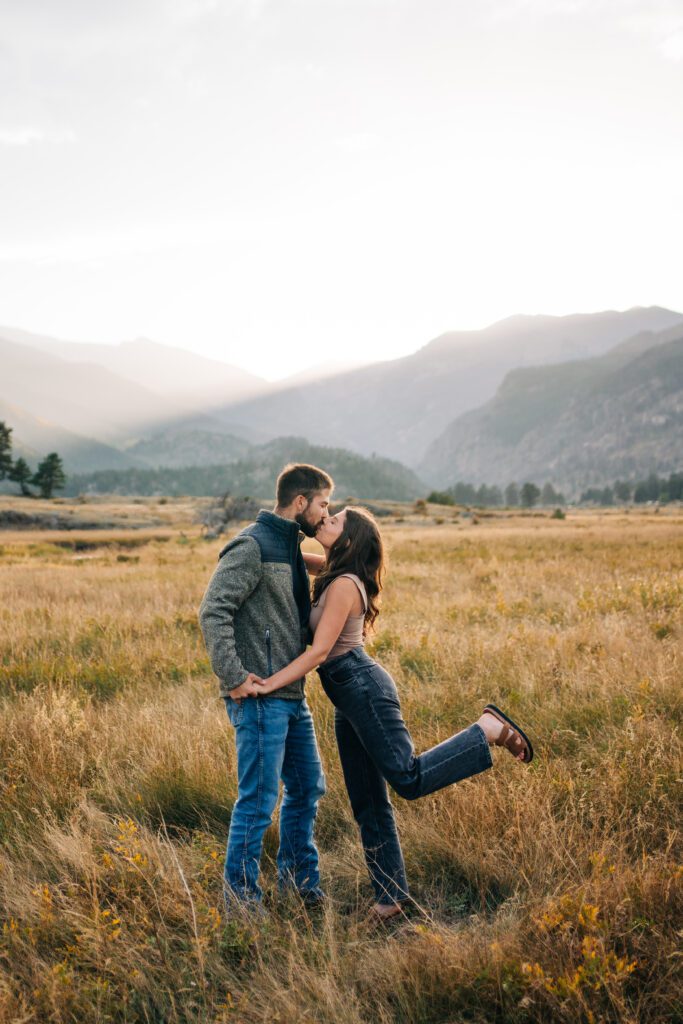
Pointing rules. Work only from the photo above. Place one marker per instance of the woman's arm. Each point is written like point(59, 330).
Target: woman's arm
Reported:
point(341, 597)
point(313, 563)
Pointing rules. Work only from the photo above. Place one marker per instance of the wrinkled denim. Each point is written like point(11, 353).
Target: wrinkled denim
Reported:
point(275, 740)
point(374, 746)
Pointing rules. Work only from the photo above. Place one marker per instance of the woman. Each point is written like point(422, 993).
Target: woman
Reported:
point(373, 740)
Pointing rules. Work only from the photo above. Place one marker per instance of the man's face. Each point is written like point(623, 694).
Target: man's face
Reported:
point(314, 513)
point(331, 529)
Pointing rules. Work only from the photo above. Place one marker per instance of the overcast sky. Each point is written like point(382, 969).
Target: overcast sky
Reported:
point(285, 182)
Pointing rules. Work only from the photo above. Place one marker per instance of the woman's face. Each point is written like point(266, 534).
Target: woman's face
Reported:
point(330, 529)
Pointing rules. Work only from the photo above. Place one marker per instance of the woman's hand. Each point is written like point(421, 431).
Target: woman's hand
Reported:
point(251, 687)
point(314, 563)
point(266, 686)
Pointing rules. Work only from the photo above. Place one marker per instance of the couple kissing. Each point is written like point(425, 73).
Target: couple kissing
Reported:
point(264, 630)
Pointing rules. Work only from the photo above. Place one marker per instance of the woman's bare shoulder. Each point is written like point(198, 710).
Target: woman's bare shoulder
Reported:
point(342, 585)
point(345, 589)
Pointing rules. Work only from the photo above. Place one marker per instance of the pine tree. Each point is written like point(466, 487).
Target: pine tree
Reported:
point(5, 450)
point(548, 494)
point(529, 494)
point(50, 475)
point(623, 490)
point(512, 495)
point(20, 473)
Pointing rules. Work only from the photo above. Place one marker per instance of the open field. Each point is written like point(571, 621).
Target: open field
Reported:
point(549, 894)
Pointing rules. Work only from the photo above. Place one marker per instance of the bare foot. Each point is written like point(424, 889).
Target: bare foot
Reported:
point(384, 911)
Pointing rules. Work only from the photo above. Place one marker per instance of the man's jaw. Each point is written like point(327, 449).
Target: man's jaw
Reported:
point(306, 527)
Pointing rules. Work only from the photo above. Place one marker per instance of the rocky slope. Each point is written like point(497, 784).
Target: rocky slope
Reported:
point(590, 421)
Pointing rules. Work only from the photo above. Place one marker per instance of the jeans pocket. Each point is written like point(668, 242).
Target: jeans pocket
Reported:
point(341, 677)
point(235, 709)
point(383, 685)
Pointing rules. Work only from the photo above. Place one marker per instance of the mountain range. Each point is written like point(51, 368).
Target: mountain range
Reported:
point(568, 399)
point(95, 403)
point(398, 408)
point(183, 379)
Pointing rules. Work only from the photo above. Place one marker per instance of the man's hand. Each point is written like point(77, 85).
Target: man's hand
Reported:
point(249, 688)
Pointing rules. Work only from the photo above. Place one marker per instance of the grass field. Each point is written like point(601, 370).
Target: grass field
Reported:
point(549, 893)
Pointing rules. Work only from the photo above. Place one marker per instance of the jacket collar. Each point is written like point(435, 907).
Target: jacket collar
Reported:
point(289, 528)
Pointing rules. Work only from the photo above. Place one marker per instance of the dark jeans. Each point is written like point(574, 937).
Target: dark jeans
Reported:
point(374, 745)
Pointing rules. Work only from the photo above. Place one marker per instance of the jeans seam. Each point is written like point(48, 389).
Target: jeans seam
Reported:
point(387, 740)
point(378, 869)
point(484, 742)
point(459, 753)
point(298, 821)
point(374, 816)
point(259, 788)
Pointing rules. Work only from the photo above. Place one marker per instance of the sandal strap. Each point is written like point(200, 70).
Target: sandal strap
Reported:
point(505, 736)
point(511, 740)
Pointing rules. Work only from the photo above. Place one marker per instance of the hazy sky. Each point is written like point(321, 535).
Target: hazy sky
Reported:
point(286, 182)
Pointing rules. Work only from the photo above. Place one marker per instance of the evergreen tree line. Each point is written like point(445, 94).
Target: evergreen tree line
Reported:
point(654, 488)
point(48, 477)
point(255, 474)
point(514, 495)
point(621, 492)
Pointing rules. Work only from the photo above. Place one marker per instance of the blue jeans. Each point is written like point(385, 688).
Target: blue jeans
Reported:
point(275, 740)
point(374, 746)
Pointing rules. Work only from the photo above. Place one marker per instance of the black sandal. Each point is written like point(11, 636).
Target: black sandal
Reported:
point(511, 737)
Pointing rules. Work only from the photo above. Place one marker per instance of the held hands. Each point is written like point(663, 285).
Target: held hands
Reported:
point(266, 686)
point(254, 686)
point(251, 687)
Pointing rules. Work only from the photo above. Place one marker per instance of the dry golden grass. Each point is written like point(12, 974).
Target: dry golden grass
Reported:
point(545, 894)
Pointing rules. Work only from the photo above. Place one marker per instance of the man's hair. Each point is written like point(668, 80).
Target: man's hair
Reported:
point(300, 478)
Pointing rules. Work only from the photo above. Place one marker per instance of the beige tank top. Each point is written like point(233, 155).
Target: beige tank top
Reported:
point(352, 632)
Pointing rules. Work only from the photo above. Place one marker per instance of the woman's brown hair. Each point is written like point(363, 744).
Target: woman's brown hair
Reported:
point(358, 550)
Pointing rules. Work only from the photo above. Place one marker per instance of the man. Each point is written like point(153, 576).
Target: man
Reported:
point(254, 617)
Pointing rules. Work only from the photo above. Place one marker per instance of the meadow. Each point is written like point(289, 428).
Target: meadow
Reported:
point(543, 894)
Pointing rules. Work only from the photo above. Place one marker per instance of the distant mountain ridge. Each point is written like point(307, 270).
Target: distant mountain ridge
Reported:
point(176, 448)
point(80, 397)
point(33, 438)
point(175, 374)
point(398, 408)
point(575, 424)
point(403, 410)
point(91, 414)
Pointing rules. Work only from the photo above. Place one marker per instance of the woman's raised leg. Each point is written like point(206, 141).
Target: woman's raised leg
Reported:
point(371, 704)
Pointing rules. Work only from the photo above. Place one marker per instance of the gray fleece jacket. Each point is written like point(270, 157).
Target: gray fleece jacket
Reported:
point(254, 614)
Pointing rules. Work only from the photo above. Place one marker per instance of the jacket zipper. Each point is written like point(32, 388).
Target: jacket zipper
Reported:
point(269, 653)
